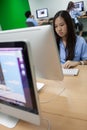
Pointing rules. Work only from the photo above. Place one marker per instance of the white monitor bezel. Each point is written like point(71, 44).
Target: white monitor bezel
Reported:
point(16, 111)
point(41, 16)
point(80, 4)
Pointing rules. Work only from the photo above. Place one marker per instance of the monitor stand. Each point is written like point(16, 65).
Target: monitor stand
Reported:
point(7, 120)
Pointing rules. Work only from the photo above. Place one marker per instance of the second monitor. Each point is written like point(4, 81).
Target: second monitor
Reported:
point(43, 47)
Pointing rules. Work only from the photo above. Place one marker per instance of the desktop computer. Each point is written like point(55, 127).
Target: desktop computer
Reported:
point(20, 69)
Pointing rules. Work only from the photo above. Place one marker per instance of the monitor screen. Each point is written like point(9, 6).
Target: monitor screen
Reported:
point(42, 13)
point(44, 49)
point(18, 95)
point(79, 5)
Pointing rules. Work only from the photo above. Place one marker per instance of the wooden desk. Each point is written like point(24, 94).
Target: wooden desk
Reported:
point(63, 103)
point(84, 16)
point(43, 22)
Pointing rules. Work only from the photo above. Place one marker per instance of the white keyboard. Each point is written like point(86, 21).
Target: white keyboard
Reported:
point(72, 72)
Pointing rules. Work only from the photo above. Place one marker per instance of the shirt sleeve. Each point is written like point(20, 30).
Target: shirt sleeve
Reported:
point(35, 23)
point(84, 51)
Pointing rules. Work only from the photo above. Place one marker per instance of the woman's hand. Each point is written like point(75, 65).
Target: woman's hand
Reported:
point(70, 64)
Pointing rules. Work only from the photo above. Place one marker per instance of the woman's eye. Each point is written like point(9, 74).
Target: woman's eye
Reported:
point(62, 25)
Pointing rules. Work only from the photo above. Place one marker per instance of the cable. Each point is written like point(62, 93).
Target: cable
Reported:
point(49, 124)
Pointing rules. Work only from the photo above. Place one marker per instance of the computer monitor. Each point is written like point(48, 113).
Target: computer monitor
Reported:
point(79, 5)
point(44, 49)
point(42, 13)
point(18, 95)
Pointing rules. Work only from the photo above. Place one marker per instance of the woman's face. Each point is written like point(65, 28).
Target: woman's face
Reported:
point(61, 27)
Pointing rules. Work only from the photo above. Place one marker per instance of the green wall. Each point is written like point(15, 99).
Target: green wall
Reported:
point(12, 13)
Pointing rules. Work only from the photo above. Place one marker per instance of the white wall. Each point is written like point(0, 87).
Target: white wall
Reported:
point(52, 5)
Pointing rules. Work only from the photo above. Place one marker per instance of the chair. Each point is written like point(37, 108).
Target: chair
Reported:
point(30, 24)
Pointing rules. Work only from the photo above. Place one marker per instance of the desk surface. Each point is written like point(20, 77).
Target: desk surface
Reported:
point(63, 103)
point(84, 16)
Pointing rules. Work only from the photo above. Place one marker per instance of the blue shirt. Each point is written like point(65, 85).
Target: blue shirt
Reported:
point(80, 50)
point(32, 20)
point(74, 14)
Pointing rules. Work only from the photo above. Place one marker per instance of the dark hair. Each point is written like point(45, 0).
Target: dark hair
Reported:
point(71, 37)
point(27, 14)
point(70, 6)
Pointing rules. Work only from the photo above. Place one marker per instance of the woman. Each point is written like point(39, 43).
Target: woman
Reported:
point(74, 13)
point(72, 48)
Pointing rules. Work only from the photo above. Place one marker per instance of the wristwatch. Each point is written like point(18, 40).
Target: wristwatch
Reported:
point(81, 62)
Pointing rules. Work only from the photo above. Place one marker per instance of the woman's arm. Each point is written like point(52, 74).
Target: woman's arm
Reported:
point(71, 64)
point(84, 62)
